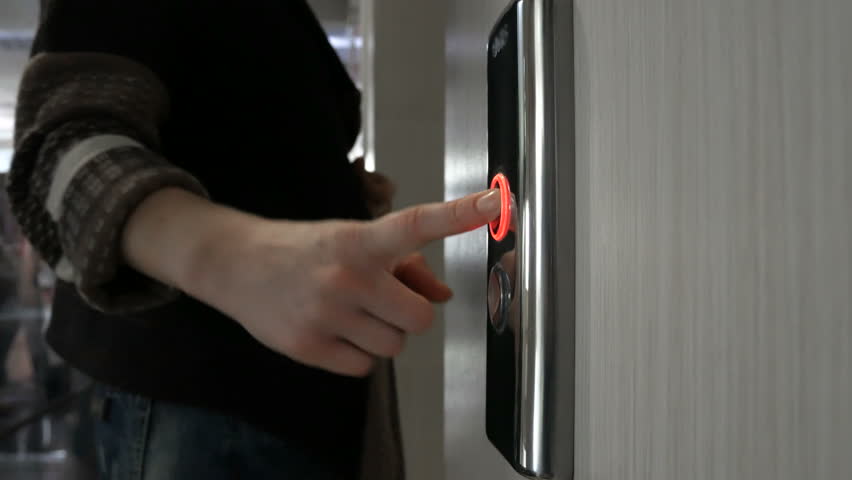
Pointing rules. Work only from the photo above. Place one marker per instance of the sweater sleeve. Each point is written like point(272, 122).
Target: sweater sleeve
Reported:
point(87, 149)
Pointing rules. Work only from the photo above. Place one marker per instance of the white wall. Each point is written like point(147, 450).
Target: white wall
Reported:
point(407, 103)
point(16, 14)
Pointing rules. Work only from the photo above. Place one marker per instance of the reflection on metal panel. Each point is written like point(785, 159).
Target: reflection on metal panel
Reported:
point(469, 455)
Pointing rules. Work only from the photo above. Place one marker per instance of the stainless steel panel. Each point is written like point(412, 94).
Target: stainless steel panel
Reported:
point(536, 276)
point(469, 455)
point(714, 151)
point(524, 84)
point(466, 328)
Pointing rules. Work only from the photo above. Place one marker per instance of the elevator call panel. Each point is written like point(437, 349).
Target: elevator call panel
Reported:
point(530, 307)
point(505, 154)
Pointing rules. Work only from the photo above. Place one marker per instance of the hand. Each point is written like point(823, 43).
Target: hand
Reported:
point(415, 274)
point(336, 294)
point(378, 189)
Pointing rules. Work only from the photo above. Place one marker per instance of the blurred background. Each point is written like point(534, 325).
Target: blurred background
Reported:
point(43, 431)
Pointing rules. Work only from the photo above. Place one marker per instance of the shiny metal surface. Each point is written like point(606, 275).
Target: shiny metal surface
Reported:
point(536, 297)
point(537, 240)
point(499, 297)
point(543, 272)
point(468, 453)
point(507, 156)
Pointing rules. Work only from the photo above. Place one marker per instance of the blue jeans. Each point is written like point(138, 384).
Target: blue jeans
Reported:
point(137, 438)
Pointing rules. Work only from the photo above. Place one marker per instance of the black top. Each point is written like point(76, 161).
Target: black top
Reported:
point(263, 113)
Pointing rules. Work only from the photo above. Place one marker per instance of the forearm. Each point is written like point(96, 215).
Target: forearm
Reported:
point(87, 154)
point(182, 239)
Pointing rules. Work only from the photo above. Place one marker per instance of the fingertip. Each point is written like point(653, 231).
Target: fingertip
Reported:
point(411, 229)
point(441, 293)
point(489, 204)
point(445, 296)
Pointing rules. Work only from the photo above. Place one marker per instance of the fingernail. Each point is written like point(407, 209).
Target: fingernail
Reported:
point(489, 204)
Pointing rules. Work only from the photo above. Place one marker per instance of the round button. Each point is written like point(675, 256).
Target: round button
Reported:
point(500, 227)
point(499, 297)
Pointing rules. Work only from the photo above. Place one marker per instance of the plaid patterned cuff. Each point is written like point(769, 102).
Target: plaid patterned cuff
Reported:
point(96, 204)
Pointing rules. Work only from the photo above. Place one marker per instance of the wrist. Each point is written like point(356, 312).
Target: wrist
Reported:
point(184, 240)
point(218, 249)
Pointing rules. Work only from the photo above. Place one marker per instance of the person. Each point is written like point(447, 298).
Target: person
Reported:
point(183, 168)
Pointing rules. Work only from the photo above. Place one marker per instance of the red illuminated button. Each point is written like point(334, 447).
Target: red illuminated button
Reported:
point(500, 227)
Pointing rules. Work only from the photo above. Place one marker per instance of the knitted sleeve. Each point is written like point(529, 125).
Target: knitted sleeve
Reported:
point(86, 154)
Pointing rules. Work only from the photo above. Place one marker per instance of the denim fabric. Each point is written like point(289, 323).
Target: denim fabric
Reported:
point(138, 438)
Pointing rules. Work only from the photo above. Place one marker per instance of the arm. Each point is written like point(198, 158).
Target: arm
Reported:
point(87, 142)
point(130, 230)
point(331, 294)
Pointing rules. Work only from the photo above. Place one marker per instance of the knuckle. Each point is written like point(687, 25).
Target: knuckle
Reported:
point(337, 277)
point(412, 222)
point(347, 282)
point(457, 212)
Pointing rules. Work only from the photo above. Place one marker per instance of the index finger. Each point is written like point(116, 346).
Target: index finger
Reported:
point(410, 229)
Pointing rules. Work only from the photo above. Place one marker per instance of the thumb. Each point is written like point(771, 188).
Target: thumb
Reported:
point(411, 229)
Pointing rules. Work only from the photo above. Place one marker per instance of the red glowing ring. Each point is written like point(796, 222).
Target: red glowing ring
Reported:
point(500, 227)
